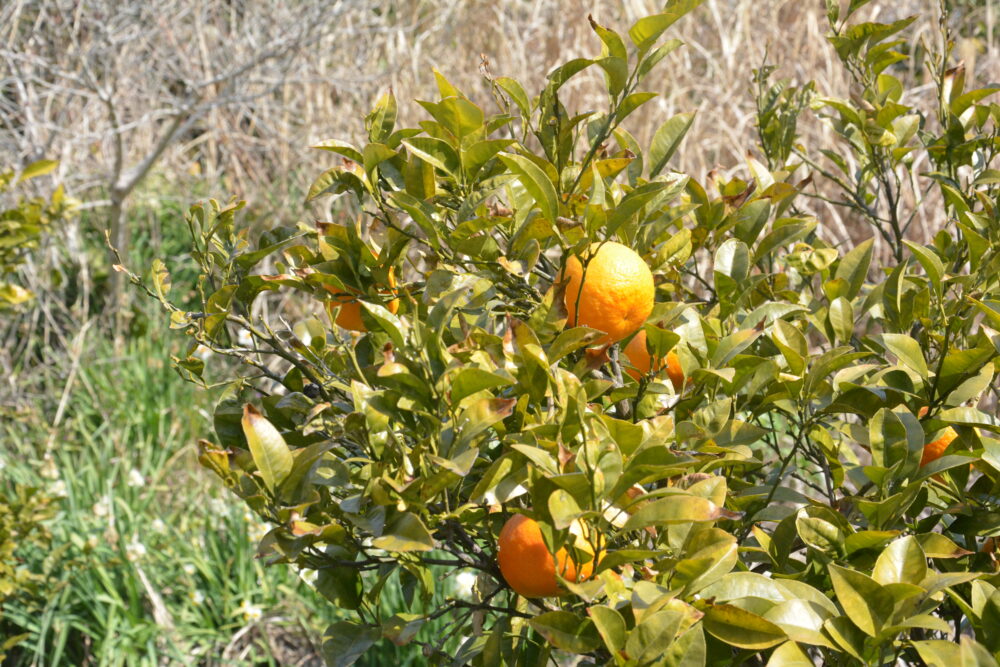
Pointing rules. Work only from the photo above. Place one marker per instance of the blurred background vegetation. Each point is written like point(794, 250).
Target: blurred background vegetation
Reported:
point(115, 547)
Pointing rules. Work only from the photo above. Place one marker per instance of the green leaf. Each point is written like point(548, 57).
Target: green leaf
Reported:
point(782, 235)
point(612, 40)
point(516, 93)
point(732, 259)
point(567, 71)
point(387, 321)
point(792, 345)
point(708, 556)
point(570, 340)
point(341, 586)
point(615, 73)
point(741, 628)
point(481, 152)
point(564, 509)
point(853, 267)
point(436, 152)
point(470, 380)
point(902, 562)
point(939, 652)
point(943, 653)
point(647, 30)
point(673, 510)
point(869, 539)
point(802, 620)
point(610, 625)
point(341, 148)
point(376, 154)
point(936, 545)
point(819, 533)
point(650, 639)
point(567, 631)
point(634, 202)
point(345, 642)
point(457, 114)
point(35, 169)
point(687, 650)
point(422, 213)
point(908, 351)
point(973, 388)
point(667, 140)
point(305, 459)
point(535, 182)
point(161, 279)
point(271, 455)
point(865, 602)
point(405, 533)
point(789, 655)
point(631, 103)
point(736, 585)
point(842, 319)
point(650, 61)
point(382, 118)
point(933, 266)
point(336, 181)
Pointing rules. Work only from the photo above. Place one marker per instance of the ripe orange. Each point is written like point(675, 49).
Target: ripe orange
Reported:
point(639, 356)
point(617, 291)
point(527, 565)
point(934, 450)
point(348, 306)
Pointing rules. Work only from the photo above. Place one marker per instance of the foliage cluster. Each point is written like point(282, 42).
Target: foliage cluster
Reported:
point(772, 508)
point(22, 225)
point(23, 513)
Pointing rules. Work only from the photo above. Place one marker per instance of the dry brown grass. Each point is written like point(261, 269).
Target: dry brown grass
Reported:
point(254, 139)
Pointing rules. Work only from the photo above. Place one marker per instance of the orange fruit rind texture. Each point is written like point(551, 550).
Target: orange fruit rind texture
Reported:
point(935, 449)
point(642, 361)
point(614, 293)
point(527, 565)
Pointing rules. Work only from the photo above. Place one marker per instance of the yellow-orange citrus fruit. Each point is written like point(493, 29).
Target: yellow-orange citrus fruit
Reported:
point(674, 371)
point(639, 357)
point(348, 307)
point(614, 294)
point(528, 567)
point(933, 450)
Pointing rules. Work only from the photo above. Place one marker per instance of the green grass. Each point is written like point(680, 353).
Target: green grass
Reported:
point(152, 560)
point(146, 537)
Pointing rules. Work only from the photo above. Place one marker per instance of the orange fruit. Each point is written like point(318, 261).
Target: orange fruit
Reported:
point(639, 356)
point(348, 306)
point(529, 568)
point(674, 371)
point(613, 294)
point(934, 450)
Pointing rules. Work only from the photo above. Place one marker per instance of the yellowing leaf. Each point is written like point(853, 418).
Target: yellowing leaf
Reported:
point(267, 447)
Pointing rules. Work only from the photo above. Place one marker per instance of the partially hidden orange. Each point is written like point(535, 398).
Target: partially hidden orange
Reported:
point(639, 357)
point(935, 449)
point(348, 306)
point(613, 293)
point(527, 565)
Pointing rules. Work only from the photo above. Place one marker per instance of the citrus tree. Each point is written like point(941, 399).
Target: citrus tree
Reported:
point(663, 422)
